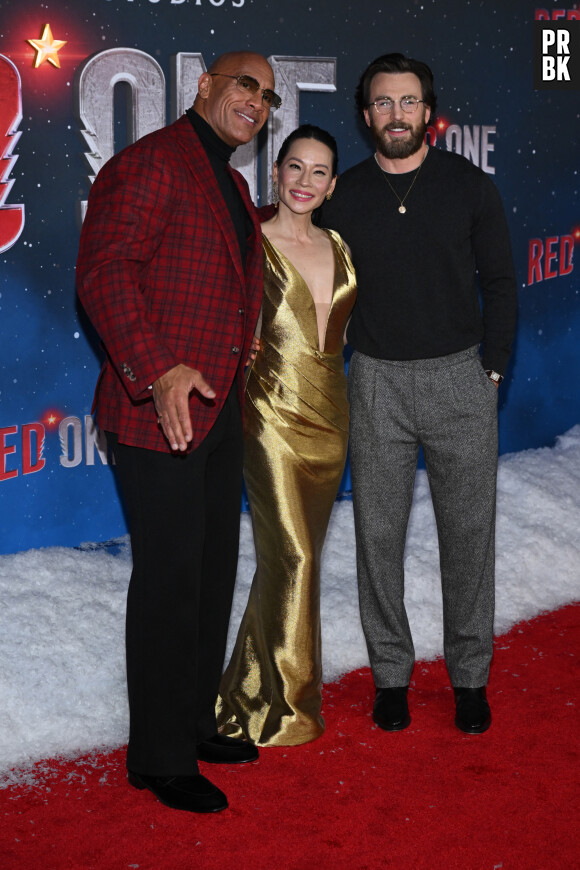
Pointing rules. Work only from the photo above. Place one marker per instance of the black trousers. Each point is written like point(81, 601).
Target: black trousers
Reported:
point(184, 518)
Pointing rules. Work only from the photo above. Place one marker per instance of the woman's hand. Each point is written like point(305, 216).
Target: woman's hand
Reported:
point(254, 348)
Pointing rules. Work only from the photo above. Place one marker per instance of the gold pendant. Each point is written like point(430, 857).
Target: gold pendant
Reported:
point(402, 209)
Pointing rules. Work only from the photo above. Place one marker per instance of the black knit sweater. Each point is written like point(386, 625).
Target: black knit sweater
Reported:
point(421, 274)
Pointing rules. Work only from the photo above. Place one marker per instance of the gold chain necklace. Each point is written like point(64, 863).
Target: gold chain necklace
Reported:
point(402, 208)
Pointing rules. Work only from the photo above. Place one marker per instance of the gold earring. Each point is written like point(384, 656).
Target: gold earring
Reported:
point(329, 195)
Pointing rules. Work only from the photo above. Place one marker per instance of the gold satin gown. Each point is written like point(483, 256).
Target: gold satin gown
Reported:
point(296, 435)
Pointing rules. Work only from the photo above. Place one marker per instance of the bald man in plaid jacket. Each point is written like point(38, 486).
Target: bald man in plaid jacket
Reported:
point(170, 273)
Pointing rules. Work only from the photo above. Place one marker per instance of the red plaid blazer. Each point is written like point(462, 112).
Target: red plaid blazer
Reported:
point(160, 275)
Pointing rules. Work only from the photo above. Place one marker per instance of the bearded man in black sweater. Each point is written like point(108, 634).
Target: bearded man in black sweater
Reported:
point(429, 239)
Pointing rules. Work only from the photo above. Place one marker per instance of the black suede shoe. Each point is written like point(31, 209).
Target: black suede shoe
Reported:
point(226, 750)
point(472, 713)
point(194, 794)
point(391, 711)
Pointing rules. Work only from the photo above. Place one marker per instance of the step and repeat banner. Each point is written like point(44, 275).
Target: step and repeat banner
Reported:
point(81, 79)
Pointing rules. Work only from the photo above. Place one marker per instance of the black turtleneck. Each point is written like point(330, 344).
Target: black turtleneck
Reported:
point(219, 153)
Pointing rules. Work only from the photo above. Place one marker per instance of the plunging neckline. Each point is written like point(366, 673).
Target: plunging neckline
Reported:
point(282, 256)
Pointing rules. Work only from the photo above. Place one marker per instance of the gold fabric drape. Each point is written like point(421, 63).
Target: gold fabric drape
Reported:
point(296, 433)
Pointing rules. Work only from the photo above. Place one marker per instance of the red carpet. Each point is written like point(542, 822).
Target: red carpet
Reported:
point(429, 798)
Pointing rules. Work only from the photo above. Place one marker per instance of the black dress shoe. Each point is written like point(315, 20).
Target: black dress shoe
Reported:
point(391, 711)
point(195, 794)
point(226, 750)
point(472, 713)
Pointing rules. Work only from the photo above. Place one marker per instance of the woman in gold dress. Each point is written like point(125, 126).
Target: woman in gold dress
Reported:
point(296, 433)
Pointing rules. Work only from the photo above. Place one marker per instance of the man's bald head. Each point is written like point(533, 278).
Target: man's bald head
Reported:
point(235, 114)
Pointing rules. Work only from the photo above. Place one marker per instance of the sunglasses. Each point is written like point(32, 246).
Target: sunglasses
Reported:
point(248, 84)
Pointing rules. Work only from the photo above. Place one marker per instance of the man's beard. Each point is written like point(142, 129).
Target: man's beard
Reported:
point(398, 149)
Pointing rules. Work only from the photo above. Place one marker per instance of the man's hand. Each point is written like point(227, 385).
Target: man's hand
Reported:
point(171, 397)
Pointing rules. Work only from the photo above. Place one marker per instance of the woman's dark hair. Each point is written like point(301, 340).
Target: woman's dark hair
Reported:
point(396, 63)
point(309, 131)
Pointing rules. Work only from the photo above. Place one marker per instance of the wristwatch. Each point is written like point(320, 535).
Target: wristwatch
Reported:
point(494, 376)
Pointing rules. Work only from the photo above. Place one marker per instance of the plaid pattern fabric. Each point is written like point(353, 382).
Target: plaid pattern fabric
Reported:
point(160, 275)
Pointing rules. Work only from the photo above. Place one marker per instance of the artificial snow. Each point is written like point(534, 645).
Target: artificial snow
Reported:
point(62, 679)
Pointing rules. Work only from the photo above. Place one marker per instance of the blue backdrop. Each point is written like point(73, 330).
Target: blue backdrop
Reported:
point(127, 66)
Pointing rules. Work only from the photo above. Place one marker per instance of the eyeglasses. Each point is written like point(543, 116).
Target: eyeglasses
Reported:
point(248, 84)
point(384, 105)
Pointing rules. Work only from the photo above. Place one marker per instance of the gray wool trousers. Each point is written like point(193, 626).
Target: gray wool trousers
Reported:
point(448, 406)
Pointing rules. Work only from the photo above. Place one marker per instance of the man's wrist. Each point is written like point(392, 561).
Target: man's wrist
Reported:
point(494, 376)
